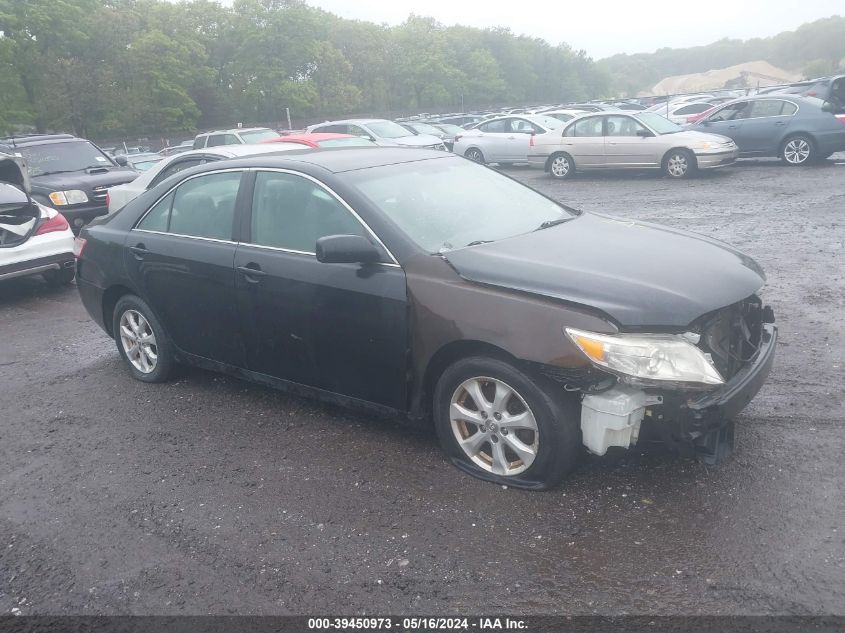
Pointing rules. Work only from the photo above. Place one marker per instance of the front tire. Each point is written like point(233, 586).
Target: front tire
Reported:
point(141, 340)
point(498, 424)
point(679, 164)
point(798, 150)
point(561, 166)
point(474, 154)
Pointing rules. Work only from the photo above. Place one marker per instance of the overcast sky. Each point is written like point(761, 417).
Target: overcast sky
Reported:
point(608, 26)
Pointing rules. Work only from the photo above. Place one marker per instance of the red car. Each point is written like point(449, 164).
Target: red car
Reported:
point(697, 117)
point(323, 139)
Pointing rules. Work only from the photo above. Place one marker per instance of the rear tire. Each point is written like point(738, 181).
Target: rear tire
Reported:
point(474, 154)
point(62, 277)
point(141, 340)
point(679, 164)
point(561, 166)
point(798, 150)
point(499, 424)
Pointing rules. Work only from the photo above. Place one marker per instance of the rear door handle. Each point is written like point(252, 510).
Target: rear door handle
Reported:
point(252, 272)
point(139, 250)
point(780, 122)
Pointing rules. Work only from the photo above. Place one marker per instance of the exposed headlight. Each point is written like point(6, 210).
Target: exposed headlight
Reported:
point(63, 198)
point(648, 357)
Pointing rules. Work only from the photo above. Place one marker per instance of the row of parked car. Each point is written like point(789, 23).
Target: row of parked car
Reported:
point(408, 282)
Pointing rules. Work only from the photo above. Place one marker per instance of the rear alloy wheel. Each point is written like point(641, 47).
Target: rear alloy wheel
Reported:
point(679, 163)
point(141, 340)
point(475, 154)
point(798, 150)
point(561, 166)
point(498, 424)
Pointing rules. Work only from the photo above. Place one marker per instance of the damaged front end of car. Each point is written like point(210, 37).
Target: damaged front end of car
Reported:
point(689, 386)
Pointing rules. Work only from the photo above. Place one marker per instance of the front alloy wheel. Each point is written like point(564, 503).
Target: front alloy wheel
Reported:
point(493, 426)
point(679, 164)
point(498, 423)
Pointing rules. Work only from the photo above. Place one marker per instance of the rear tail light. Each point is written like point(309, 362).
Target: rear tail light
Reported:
point(531, 141)
point(79, 246)
point(56, 223)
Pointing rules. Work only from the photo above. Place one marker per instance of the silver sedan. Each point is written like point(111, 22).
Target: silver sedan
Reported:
point(618, 140)
point(504, 139)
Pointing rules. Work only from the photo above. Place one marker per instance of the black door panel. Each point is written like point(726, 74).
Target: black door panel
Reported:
point(338, 327)
point(191, 285)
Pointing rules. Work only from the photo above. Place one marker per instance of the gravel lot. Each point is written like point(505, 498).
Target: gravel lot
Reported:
point(210, 495)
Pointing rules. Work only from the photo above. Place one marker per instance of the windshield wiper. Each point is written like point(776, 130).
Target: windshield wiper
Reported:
point(550, 223)
point(477, 242)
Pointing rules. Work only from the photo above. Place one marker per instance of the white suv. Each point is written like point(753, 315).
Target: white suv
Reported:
point(236, 136)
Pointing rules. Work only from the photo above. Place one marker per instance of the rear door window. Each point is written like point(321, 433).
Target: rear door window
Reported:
point(591, 126)
point(203, 206)
point(767, 108)
point(498, 126)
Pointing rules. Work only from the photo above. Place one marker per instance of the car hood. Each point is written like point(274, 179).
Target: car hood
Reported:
point(638, 274)
point(83, 180)
point(420, 140)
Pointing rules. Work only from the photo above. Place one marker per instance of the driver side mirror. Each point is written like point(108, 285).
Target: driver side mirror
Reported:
point(644, 134)
point(827, 106)
point(346, 249)
point(121, 160)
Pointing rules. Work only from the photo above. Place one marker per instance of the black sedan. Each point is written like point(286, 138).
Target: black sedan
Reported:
point(417, 282)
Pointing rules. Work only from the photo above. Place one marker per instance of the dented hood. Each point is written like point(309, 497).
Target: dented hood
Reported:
point(637, 273)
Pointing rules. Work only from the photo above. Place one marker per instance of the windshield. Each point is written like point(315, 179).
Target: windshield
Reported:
point(448, 203)
point(256, 136)
point(659, 124)
point(425, 128)
point(145, 164)
point(346, 142)
point(388, 129)
point(62, 157)
point(550, 123)
point(449, 128)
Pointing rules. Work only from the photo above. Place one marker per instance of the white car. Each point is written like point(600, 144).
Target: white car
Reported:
point(381, 132)
point(678, 112)
point(121, 194)
point(34, 239)
point(235, 136)
point(504, 139)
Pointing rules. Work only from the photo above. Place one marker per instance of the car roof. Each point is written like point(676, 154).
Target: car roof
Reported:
point(338, 160)
point(359, 121)
point(233, 130)
point(37, 139)
point(313, 137)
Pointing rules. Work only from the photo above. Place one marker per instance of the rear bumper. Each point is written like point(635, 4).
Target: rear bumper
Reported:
point(717, 408)
point(38, 265)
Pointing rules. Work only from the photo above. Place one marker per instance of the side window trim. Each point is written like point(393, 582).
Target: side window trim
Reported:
point(238, 202)
point(246, 227)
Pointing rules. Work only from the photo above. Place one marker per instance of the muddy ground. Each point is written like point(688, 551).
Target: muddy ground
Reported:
point(210, 495)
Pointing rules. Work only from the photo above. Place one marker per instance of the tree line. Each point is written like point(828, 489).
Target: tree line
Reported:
point(813, 49)
point(106, 68)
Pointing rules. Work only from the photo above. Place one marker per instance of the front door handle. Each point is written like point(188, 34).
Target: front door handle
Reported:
point(252, 272)
point(139, 250)
point(780, 122)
